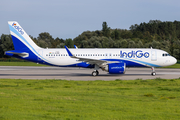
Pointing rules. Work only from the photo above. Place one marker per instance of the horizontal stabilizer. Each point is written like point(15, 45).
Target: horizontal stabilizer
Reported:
point(19, 53)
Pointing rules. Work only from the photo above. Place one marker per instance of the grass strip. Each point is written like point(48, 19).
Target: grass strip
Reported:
point(177, 66)
point(108, 100)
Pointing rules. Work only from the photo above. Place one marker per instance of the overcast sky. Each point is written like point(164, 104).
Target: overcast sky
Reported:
point(69, 18)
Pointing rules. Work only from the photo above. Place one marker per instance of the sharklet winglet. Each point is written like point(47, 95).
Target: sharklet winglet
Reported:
point(75, 47)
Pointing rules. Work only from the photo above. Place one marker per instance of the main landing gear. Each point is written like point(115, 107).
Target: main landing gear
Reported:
point(95, 73)
point(153, 71)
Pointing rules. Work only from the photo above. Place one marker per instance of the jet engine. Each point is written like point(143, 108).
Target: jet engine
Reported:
point(115, 68)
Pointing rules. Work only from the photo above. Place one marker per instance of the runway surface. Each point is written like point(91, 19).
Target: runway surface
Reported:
point(22, 72)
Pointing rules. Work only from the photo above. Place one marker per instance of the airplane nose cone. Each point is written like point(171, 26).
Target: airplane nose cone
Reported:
point(174, 60)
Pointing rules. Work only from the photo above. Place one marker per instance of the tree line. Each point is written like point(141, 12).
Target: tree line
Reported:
point(156, 34)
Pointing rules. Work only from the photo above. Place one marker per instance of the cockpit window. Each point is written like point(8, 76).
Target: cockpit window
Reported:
point(165, 54)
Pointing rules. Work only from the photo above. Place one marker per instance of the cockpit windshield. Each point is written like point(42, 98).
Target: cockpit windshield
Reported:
point(165, 54)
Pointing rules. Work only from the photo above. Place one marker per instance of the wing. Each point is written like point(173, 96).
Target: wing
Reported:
point(89, 60)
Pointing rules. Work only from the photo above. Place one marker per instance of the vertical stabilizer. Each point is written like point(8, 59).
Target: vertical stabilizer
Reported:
point(21, 39)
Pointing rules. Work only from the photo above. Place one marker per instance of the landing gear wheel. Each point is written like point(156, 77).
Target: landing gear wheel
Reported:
point(153, 73)
point(95, 73)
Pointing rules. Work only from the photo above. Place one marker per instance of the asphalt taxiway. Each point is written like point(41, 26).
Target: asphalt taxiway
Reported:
point(24, 72)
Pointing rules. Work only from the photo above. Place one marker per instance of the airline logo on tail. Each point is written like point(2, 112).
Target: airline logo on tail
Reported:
point(18, 28)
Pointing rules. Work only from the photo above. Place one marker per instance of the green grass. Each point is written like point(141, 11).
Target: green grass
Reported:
point(20, 64)
point(177, 66)
point(156, 99)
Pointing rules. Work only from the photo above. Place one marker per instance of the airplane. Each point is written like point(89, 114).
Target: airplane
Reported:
point(113, 61)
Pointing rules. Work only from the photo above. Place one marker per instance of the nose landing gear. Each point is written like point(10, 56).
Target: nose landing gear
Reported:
point(153, 71)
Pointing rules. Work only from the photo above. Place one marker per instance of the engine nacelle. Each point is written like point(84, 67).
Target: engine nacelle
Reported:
point(116, 68)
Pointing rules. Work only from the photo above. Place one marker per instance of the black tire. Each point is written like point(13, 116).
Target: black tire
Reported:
point(94, 73)
point(153, 73)
point(97, 72)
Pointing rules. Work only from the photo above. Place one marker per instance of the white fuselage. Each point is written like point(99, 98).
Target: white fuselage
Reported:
point(152, 58)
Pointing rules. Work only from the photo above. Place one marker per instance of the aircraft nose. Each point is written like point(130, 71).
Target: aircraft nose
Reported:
point(174, 60)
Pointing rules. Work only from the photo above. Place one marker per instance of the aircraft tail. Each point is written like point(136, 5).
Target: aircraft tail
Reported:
point(21, 39)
